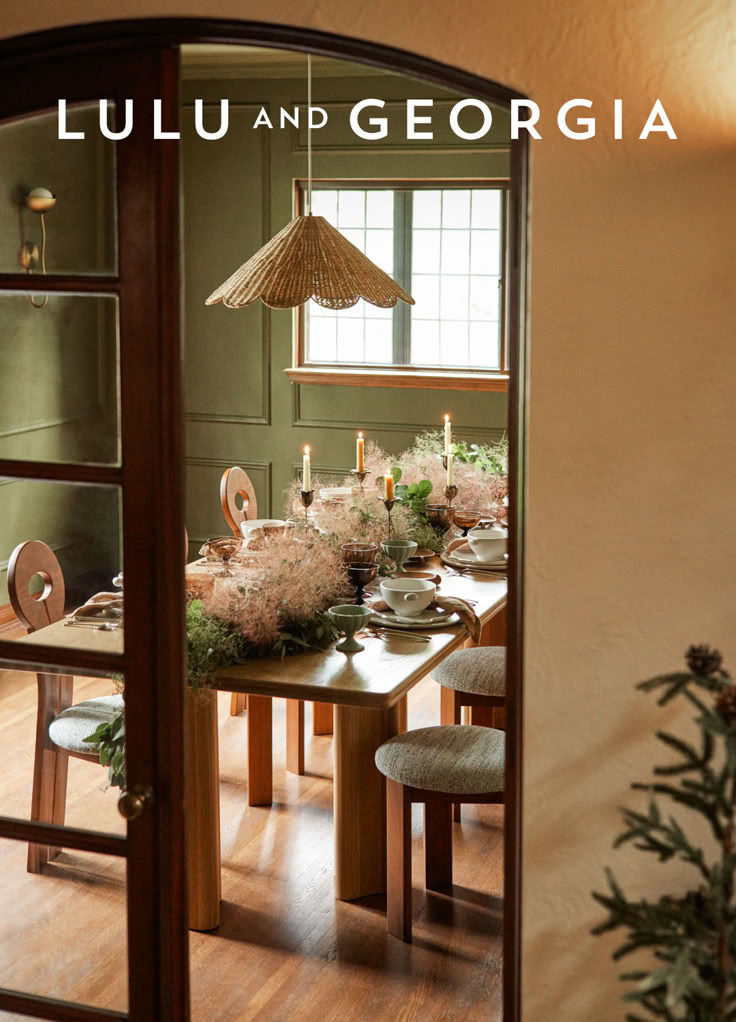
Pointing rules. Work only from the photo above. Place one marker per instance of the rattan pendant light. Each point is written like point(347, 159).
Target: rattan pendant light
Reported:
point(309, 258)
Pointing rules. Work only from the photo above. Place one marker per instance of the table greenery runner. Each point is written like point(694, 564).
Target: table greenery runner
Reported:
point(279, 605)
point(692, 935)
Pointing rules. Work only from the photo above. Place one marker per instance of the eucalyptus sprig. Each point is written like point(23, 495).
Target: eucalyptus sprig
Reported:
point(692, 935)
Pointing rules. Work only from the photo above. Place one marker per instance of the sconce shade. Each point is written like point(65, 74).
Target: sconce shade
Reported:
point(309, 258)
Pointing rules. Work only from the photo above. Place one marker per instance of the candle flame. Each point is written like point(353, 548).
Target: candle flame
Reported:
point(306, 449)
point(360, 436)
point(447, 418)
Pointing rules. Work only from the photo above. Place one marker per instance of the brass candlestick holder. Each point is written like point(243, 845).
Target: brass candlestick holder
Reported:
point(307, 498)
point(360, 476)
point(389, 504)
point(450, 494)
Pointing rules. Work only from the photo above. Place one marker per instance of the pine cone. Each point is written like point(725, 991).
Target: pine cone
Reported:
point(703, 660)
point(726, 704)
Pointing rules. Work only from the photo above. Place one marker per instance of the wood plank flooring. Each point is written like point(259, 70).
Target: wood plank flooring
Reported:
point(285, 949)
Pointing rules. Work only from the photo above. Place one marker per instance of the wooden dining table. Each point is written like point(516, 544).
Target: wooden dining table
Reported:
point(368, 692)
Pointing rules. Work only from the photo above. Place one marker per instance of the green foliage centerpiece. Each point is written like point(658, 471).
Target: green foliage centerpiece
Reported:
point(692, 935)
point(278, 606)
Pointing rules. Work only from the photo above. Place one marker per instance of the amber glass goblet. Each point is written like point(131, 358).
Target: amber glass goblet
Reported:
point(359, 553)
point(467, 519)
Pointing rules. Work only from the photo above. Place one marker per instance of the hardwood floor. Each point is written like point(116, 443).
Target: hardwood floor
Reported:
point(286, 950)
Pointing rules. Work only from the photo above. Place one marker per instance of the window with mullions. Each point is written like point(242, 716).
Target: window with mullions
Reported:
point(445, 245)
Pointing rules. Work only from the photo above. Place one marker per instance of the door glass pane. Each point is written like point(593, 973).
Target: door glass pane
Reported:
point(63, 931)
point(59, 379)
point(81, 532)
point(80, 228)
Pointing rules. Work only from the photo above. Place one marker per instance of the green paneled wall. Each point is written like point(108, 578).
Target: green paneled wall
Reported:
point(58, 364)
point(238, 191)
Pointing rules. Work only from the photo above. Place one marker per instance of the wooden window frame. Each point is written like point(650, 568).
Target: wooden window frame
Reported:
point(403, 375)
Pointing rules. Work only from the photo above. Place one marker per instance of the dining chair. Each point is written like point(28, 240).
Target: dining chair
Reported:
point(437, 766)
point(236, 483)
point(61, 725)
point(474, 677)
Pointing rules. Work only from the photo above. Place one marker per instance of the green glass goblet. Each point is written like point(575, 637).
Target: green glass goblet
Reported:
point(399, 550)
point(349, 619)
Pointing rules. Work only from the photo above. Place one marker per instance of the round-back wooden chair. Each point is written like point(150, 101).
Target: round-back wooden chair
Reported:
point(236, 483)
point(61, 726)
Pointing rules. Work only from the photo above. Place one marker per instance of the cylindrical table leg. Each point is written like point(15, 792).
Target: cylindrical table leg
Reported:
point(203, 810)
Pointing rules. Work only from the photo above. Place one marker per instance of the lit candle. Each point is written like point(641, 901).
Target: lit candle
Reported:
point(450, 469)
point(448, 434)
point(360, 454)
point(389, 494)
point(306, 471)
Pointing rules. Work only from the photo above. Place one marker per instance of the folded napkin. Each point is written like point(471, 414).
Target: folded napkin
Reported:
point(452, 603)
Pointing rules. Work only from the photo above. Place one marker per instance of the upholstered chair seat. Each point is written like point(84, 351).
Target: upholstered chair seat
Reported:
point(480, 670)
point(454, 759)
point(73, 725)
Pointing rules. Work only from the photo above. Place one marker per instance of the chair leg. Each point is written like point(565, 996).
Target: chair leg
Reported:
point(54, 693)
point(59, 808)
point(398, 856)
point(42, 803)
point(295, 736)
point(450, 713)
point(481, 715)
point(437, 845)
point(237, 703)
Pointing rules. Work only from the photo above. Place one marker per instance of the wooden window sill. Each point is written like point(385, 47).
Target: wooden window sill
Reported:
point(425, 379)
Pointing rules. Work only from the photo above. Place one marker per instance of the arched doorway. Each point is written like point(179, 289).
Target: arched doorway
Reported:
point(83, 64)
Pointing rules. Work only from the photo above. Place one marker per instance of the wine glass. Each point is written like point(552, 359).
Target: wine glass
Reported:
point(360, 575)
point(467, 519)
point(359, 553)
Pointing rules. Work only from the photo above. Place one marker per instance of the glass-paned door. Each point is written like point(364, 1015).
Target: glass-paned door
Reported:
point(92, 897)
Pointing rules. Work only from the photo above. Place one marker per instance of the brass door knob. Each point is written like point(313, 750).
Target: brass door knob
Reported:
point(132, 803)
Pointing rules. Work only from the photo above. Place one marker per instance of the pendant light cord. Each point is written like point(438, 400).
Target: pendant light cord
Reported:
point(309, 134)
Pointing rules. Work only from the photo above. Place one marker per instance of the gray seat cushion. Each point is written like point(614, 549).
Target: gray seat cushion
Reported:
point(454, 758)
point(480, 670)
point(79, 721)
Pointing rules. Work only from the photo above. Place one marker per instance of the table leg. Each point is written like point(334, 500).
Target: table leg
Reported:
point(295, 736)
point(203, 810)
point(237, 703)
point(260, 751)
point(360, 800)
point(322, 719)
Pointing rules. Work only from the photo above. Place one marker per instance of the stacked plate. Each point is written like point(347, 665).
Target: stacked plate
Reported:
point(432, 617)
point(463, 557)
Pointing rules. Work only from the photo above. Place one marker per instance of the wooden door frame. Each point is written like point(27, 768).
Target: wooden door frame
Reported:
point(150, 478)
point(161, 32)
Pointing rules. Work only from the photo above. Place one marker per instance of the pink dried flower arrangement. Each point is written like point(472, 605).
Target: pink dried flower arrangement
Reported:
point(291, 581)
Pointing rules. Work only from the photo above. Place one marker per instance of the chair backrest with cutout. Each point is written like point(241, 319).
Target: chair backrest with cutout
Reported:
point(35, 611)
point(235, 481)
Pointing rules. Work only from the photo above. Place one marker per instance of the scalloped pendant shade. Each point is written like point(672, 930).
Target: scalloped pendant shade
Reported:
point(309, 258)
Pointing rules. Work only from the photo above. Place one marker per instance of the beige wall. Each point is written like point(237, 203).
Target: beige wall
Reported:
point(633, 357)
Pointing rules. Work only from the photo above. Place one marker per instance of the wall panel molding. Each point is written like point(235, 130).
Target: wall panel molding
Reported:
point(263, 417)
point(474, 432)
point(264, 468)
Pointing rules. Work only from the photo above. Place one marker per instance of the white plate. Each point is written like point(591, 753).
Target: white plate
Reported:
point(491, 567)
point(433, 617)
point(464, 555)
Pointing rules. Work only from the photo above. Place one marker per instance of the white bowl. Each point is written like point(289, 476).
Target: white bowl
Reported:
point(408, 596)
point(488, 544)
point(266, 525)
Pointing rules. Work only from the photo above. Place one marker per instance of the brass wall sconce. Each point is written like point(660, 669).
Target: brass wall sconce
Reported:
point(38, 200)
